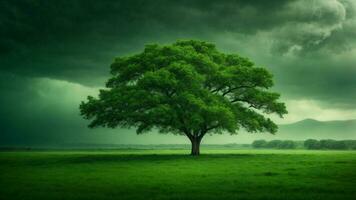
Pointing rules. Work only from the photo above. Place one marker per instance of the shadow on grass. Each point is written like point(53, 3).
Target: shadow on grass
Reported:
point(127, 158)
point(152, 158)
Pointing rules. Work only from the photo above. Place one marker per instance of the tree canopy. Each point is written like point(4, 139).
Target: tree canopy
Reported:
point(187, 88)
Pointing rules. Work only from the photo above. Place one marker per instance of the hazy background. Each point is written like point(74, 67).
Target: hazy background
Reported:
point(55, 53)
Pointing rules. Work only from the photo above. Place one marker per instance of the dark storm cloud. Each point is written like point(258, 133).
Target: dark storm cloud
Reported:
point(41, 112)
point(30, 115)
point(331, 83)
point(77, 40)
point(63, 39)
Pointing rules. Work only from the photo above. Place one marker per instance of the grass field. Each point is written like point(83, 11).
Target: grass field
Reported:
point(171, 174)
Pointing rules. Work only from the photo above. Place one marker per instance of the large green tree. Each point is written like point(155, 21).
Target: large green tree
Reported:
point(187, 88)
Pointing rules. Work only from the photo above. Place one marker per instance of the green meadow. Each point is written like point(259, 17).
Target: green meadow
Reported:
point(173, 174)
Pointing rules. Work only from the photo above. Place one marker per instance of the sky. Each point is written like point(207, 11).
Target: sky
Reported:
point(55, 53)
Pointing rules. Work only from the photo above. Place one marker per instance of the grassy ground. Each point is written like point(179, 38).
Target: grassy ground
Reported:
point(171, 174)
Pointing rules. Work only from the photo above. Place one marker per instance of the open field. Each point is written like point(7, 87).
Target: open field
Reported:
point(171, 174)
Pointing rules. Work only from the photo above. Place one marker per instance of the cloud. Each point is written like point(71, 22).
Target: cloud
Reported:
point(40, 109)
point(310, 109)
point(314, 26)
point(77, 40)
point(63, 39)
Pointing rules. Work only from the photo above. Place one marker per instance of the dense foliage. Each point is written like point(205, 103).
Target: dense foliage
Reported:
point(187, 88)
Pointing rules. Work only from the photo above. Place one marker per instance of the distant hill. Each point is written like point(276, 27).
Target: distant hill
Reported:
point(310, 128)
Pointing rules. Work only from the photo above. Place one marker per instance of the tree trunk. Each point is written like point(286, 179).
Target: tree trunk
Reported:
point(195, 146)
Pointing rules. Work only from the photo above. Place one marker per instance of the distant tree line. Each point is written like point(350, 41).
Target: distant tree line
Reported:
point(307, 144)
point(329, 144)
point(275, 144)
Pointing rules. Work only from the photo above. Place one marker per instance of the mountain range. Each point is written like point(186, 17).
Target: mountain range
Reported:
point(311, 128)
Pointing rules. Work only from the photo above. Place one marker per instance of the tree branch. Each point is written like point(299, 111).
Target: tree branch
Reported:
point(217, 89)
point(238, 87)
point(212, 127)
